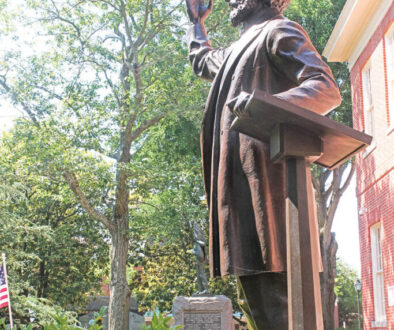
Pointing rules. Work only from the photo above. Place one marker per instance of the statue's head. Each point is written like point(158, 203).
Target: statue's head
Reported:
point(242, 9)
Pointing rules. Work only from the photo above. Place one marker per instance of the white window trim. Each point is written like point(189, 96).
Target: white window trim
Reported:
point(368, 110)
point(378, 295)
point(378, 324)
point(390, 78)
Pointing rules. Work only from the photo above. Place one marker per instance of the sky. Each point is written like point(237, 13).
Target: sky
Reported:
point(346, 228)
point(7, 115)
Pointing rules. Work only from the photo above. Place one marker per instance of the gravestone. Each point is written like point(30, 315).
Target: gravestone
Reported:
point(136, 321)
point(203, 313)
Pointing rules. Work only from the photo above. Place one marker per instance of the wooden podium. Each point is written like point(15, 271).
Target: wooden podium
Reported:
point(300, 137)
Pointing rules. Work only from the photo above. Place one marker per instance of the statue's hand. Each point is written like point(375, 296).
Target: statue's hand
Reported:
point(198, 10)
point(238, 104)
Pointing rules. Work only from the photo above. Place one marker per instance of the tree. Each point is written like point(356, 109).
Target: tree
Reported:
point(319, 18)
point(106, 73)
point(40, 224)
point(161, 257)
point(346, 293)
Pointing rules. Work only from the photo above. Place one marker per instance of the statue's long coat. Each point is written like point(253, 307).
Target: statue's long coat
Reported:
point(245, 191)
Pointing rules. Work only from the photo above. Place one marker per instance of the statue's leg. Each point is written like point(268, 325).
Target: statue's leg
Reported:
point(263, 298)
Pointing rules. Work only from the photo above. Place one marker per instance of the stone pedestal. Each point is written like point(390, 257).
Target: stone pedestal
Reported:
point(203, 313)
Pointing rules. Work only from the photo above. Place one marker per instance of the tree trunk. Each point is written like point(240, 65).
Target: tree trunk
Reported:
point(328, 281)
point(119, 301)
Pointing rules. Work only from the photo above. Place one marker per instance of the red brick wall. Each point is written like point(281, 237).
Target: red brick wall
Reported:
point(375, 176)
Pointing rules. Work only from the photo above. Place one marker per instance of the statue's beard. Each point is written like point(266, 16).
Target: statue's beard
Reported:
point(242, 11)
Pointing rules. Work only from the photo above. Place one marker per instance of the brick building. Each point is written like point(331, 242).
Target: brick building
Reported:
point(364, 38)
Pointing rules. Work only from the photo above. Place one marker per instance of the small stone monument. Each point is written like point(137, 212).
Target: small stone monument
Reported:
point(136, 321)
point(203, 313)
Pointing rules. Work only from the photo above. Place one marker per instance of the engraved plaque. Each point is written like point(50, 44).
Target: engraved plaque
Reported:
point(203, 313)
point(202, 320)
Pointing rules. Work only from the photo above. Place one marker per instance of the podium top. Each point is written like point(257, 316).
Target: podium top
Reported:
point(265, 111)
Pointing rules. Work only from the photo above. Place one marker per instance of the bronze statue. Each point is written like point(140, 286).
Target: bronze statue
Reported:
point(201, 259)
point(244, 189)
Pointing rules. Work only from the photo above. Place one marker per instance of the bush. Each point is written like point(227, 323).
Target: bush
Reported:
point(61, 320)
point(160, 322)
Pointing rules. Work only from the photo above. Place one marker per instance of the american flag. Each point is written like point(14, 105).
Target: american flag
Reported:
point(4, 300)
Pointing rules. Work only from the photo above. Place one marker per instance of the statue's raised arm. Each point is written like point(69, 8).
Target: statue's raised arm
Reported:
point(198, 11)
point(205, 60)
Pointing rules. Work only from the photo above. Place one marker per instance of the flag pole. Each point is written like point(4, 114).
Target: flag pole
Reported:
point(8, 290)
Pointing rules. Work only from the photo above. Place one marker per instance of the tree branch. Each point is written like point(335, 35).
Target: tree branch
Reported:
point(143, 127)
point(337, 192)
point(326, 193)
point(157, 27)
point(57, 96)
point(111, 37)
point(24, 105)
point(65, 20)
point(139, 202)
point(94, 32)
point(133, 21)
point(120, 35)
point(138, 83)
point(72, 181)
point(348, 179)
point(315, 183)
point(126, 22)
point(108, 80)
point(144, 24)
point(108, 3)
point(326, 175)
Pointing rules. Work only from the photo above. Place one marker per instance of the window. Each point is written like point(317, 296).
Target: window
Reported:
point(368, 100)
point(377, 275)
point(389, 45)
